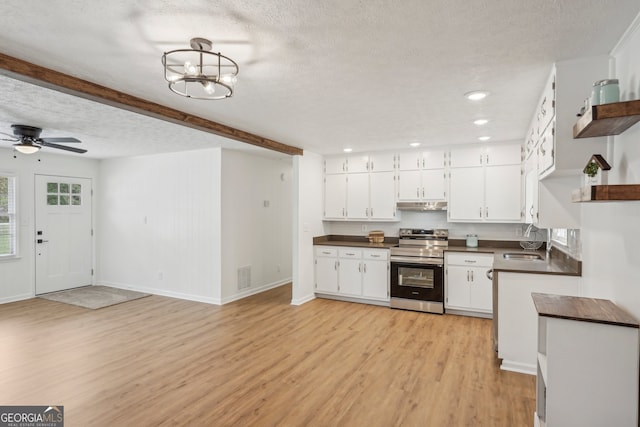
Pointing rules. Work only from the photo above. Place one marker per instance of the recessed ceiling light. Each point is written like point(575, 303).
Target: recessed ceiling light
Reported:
point(415, 144)
point(484, 138)
point(348, 150)
point(476, 95)
point(480, 122)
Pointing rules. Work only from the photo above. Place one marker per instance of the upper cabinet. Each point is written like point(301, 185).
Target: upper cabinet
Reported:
point(485, 183)
point(421, 175)
point(360, 187)
point(551, 134)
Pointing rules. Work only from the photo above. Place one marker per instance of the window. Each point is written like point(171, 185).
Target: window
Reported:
point(7, 215)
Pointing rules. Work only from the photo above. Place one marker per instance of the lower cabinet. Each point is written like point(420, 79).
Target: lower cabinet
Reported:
point(587, 367)
point(467, 285)
point(357, 273)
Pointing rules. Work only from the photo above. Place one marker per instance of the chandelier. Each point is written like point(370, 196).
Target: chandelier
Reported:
point(199, 73)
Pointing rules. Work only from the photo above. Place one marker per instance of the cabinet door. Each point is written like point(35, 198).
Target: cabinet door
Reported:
point(433, 184)
point(350, 276)
point(546, 151)
point(463, 157)
point(358, 163)
point(375, 279)
point(382, 204)
point(409, 185)
point(433, 159)
point(382, 162)
point(497, 155)
point(409, 160)
point(335, 195)
point(326, 274)
point(335, 165)
point(358, 195)
point(466, 194)
point(457, 292)
point(481, 290)
point(503, 190)
point(531, 197)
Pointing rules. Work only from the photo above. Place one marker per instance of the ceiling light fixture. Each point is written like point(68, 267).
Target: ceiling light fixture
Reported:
point(415, 144)
point(476, 95)
point(26, 147)
point(484, 138)
point(480, 122)
point(348, 150)
point(199, 73)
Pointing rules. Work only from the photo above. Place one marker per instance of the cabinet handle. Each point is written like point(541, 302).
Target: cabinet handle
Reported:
point(423, 192)
point(418, 192)
point(366, 212)
point(480, 158)
point(418, 163)
point(360, 267)
point(470, 261)
point(423, 162)
point(472, 275)
point(372, 165)
point(487, 159)
point(335, 265)
point(365, 268)
point(467, 275)
point(480, 211)
point(343, 212)
point(375, 256)
point(371, 211)
point(542, 150)
point(486, 212)
point(326, 252)
point(531, 211)
point(349, 253)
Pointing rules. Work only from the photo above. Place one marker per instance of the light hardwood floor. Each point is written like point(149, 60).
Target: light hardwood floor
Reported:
point(257, 362)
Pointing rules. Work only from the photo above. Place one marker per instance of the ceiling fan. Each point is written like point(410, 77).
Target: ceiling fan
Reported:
point(28, 141)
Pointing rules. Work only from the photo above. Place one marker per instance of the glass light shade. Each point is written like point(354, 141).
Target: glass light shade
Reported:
point(26, 148)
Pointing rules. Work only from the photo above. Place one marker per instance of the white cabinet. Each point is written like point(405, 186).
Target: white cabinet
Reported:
point(335, 196)
point(467, 287)
point(326, 269)
point(360, 187)
point(569, 83)
point(421, 176)
point(517, 316)
point(587, 364)
point(485, 184)
point(375, 274)
point(352, 273)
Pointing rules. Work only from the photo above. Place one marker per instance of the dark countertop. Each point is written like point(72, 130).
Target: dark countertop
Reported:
point(556, 262)
point(354, 241)
point(582, 309)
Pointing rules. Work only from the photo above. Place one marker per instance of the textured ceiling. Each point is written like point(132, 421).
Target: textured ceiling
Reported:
point(322, 76)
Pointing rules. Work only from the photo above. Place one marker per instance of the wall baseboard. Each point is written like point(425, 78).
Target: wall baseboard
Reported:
point(253, 291)
point(303, 300)
point(16, 298)
point(523, 368)
point(171, 294)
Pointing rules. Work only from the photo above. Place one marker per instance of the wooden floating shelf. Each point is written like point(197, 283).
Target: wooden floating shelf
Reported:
point(606, 193)
point(607, 119)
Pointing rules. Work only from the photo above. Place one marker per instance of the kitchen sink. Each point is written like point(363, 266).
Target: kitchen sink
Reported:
point(522, 256)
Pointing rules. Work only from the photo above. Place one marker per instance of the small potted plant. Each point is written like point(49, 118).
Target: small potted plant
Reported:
point(596, 171)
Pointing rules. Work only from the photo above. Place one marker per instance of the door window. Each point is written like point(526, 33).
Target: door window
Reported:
point(64, 194)
point(416, 277)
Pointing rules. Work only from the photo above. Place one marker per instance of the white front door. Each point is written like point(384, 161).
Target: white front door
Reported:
point(63, 233)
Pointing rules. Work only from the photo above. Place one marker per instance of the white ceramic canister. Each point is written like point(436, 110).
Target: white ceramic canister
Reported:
point(472, 240)
point(609, 91)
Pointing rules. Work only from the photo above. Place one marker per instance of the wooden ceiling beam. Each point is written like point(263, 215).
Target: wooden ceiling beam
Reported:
point(45, 77)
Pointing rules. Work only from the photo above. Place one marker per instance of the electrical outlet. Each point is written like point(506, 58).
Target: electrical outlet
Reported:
point(364, 227)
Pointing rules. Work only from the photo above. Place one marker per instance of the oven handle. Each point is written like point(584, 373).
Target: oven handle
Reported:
point(417, 261)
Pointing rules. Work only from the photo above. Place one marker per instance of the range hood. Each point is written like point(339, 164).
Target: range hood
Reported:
point(422, 206)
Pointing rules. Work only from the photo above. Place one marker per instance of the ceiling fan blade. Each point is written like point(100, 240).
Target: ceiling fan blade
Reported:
point(8, 134)
point(65, 140)
point(7, 139)
point(62, 147)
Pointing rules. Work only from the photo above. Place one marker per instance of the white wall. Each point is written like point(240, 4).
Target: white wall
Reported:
point(611, 231)
point(17, 279)
point(159, 224)
point(253, 234)
point(307, 218)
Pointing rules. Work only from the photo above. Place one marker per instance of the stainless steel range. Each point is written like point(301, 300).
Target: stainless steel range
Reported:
point(417, 273)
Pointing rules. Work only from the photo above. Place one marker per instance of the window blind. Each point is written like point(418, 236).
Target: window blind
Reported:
point(7, 215)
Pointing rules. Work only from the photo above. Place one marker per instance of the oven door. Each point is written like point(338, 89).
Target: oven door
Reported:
point(423, 282)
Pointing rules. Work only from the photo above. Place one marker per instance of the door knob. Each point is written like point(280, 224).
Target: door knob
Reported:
point(41, 241)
